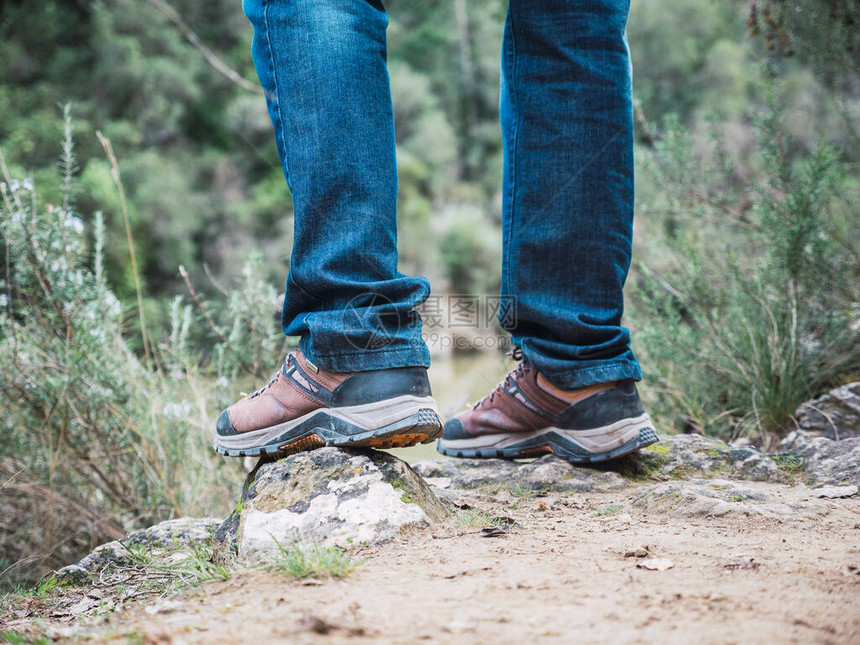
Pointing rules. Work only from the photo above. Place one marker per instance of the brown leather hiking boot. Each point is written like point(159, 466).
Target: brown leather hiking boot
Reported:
point(527, 416)
point(304, 407)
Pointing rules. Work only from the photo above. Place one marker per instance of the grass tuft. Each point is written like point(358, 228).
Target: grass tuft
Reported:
point(609, 510)
point(301, 560)
point(476, 518)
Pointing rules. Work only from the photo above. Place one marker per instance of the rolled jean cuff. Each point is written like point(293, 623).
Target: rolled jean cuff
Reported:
point(413, 354)
point(591, 372)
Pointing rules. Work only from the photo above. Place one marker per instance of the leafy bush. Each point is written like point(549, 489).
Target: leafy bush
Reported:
point(751, 293)
point(96, 440)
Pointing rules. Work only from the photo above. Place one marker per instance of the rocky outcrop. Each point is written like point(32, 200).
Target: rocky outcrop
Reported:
point(800, 458)
point(330, 496)
point(685, 456)
point(717, 497)
point(824, 460)
point(835, 415)
point(337, 497)
point(172, 534)
point(548, 473)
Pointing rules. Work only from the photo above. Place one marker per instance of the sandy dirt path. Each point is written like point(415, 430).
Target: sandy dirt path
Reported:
point(561, 577)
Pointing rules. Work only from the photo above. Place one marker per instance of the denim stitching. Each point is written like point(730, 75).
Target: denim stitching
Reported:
point(506, 260)
point(273, 97)
point(366, 352)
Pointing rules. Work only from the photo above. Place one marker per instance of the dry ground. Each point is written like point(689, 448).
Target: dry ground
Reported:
point(563, 575)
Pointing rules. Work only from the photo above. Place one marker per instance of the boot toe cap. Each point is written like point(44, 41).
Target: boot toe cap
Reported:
point(224, 426)
point(454, 430)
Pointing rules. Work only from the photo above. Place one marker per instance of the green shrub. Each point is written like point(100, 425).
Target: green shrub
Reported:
point(748, 299)
point(94, 439)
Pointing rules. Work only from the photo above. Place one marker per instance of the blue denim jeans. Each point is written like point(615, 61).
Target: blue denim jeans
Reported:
point(567, 130)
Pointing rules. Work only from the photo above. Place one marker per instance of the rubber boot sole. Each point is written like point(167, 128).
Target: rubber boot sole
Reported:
point(576, 446)
point(336, 428)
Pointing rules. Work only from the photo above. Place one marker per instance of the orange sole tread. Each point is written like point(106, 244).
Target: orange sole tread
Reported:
point(315, 441)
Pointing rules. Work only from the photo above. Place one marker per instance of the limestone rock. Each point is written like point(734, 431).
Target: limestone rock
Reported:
point(111, 554)
point(675, 457)
point(548, 473)
point(800, 457)
point(332, 497)
point(835, 415)
point(184, 531)
point(169, 534)
point(837, 492)
point(72, 576)
point(686, 455)
point(825, 461)
point(718, 497)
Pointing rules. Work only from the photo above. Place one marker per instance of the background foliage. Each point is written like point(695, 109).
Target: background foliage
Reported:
point(743, 299)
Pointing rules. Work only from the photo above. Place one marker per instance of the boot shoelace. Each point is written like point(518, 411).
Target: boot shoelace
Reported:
point(265, 387)
point(521, 369)
point(271, 382)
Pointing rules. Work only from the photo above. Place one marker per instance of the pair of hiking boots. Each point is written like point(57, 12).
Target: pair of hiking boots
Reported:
point(305, 407)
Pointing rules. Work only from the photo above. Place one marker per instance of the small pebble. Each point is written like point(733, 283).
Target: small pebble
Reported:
point(636, 552)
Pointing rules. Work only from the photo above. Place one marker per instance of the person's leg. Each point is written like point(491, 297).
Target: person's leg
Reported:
point(360, 377)
point(322, 66)
point(566, 112)
point(567, 129)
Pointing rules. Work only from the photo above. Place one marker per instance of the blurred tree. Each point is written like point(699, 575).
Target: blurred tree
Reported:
point(827, 32)
point(670, 45)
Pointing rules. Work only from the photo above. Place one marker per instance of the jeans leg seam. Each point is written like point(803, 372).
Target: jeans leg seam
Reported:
point(280, 130)
point(598, 369)
point(365, 352)
point(513, 159)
